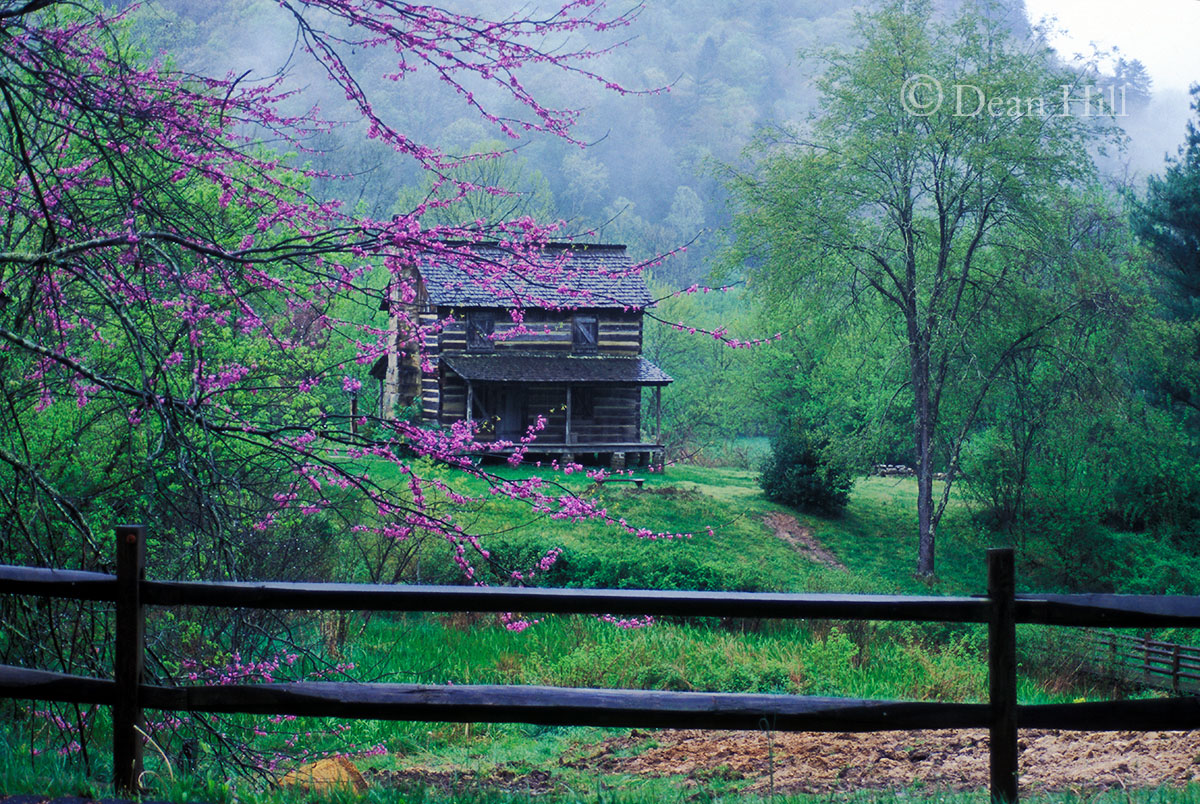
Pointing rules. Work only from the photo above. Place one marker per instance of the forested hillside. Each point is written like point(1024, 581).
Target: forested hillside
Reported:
point(718, 72)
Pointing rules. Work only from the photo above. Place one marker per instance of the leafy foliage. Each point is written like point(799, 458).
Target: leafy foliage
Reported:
point(930, 225)
point(1168, 222)
point(800, 473)
point(184, 317)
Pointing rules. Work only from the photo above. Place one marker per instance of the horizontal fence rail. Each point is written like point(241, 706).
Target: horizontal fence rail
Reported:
point(567, 601)
point(1110, 611)
point(564, 706)
point(547, 706)
point(390, 597)
point(1001, 609)
point(1113, 611)
point(70, 584)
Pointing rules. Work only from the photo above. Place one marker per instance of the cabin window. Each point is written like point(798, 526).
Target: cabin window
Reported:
point(586, 337)
point(480, 327)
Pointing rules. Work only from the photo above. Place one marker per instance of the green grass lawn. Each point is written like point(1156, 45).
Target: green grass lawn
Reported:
point(740, 554)
point(876, 538)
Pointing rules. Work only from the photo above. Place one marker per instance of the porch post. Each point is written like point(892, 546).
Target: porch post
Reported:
point(470, 400)
point(567, 433)
point(658, 414)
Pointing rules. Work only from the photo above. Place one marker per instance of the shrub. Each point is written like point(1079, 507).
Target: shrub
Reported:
point(997, 479)
point(1158, 493)
point(801, 474)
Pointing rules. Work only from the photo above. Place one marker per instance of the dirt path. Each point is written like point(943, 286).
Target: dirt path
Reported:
point(787, 528)
point(956, 760)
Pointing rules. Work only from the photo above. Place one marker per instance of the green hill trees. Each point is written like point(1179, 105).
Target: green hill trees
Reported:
point(952, 229)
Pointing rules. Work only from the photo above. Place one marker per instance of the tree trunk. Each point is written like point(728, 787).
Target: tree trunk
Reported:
point(923, 432)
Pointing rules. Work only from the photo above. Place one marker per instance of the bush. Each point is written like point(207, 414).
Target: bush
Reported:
point(800, 473)
point(1161, 494)
point(996, 479)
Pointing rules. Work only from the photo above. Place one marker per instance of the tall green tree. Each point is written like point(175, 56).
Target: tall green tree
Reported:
point(1168, 222)
point(932, 194)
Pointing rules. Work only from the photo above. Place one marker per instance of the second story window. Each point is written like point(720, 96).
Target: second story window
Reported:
point(586, 334)
point(480, 327)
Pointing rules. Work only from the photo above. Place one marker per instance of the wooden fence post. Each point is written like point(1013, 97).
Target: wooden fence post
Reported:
point(1002, 675)
point(128, 723)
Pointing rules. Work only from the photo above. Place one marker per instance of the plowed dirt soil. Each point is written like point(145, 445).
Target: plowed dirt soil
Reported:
point(952, 760)
point(830, 764)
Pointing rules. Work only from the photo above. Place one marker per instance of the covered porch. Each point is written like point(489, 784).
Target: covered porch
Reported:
point(589, 408)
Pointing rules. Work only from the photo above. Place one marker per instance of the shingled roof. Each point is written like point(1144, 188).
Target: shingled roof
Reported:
point(540, 368)
point(591, 275)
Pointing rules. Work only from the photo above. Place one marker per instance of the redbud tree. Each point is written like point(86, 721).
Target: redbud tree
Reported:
point(183, 316)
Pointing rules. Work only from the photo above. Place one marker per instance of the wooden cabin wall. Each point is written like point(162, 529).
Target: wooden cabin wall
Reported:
point(616, 415)
point(547, 400)
point(453, 398)
point(617, 410)
point(620, 332)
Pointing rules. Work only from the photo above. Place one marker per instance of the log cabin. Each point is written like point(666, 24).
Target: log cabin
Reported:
point(574, 358)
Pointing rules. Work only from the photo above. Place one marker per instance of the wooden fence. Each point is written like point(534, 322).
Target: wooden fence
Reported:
point(1001, 609)
point(1139, 660)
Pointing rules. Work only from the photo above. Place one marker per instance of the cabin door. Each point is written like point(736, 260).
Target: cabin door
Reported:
point(512, 414)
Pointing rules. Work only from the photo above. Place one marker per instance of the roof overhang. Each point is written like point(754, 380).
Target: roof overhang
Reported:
point(547, 369)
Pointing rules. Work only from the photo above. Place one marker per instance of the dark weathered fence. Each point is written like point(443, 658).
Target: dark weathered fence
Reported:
point(1139, 660)
point(1001, 609)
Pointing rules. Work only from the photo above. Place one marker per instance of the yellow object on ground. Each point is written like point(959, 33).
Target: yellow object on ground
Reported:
point(325, 775)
